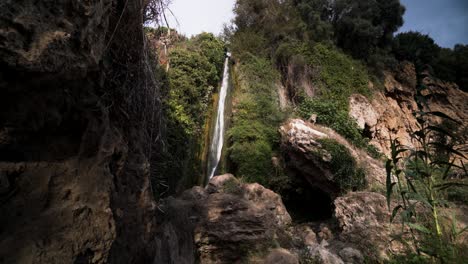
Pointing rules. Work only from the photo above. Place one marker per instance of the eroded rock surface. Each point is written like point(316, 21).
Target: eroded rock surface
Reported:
point(304, 153)
point(74, 162)
point(231, 222)
point(389, 114)
point(227, 222)
point(363, 218)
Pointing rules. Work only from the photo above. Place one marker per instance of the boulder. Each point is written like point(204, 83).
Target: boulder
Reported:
point(300, 144)
point(351, 256)
point(363, 218)
point(224, 223)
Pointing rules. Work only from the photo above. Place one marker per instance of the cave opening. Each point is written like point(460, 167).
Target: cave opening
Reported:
point(367, 132)
point(309, 204)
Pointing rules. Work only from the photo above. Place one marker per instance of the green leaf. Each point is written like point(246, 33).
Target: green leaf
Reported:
point(447, 185)
point(449, 164)
point(420, 228)
point(411, 185)
point(440, 130)
point(389, 193)
point(462, 231)
point(420, 198)
point(395, 212)
point(447, 170)
point(447, 148)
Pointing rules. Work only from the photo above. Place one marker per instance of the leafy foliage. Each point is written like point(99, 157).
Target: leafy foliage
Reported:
point(358, 27)
point(344, 167)
point(447, 64)
point(421, 184)
point(415, 47)
point(452, 65)
point(195, 70)
point(253, 137)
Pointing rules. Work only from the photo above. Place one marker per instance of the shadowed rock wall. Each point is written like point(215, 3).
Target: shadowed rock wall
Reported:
point(77, 115)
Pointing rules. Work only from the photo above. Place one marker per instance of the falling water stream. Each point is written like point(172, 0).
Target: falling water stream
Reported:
point(218, 133)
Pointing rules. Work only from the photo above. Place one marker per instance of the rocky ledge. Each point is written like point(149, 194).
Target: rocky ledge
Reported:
point(232, 222)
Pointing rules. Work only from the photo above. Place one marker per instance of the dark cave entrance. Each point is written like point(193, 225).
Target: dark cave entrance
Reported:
point(367, 132)
point(309, 204)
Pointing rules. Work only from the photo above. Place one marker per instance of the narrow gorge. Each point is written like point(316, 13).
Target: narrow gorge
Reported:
point(304, 132)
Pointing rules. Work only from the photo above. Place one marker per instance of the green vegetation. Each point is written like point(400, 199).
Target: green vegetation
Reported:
point(338, 77)
point(276, 35)
point(346, 172)
point(361, 28)
point(447, 64)
point(252, 136)
point(419, 187)
point(195, 70)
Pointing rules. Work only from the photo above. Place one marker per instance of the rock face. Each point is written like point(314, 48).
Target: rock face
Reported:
point(390, 113)
point(231, 222)
point(304, 152)
point(227, 222)
point(74, 157)
point(363, 218)
point(299, 143)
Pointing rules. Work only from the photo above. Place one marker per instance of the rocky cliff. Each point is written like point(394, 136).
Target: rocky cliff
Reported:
point(77, 112)
point(389, 113)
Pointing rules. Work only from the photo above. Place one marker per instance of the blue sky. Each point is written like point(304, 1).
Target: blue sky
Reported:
point(444, 20)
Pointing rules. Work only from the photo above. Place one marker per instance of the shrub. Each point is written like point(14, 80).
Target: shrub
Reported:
point(253, 134)
point(346, 172)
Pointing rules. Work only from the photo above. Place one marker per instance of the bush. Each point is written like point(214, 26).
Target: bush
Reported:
point(344, 167)
point(253, 134)
point(332, 114)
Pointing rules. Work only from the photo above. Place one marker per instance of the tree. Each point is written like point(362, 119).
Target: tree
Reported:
point(276, 20)
point(461, 66)
point(360, 27)
point(363, 26)
point(316, 14)
point(417, 48)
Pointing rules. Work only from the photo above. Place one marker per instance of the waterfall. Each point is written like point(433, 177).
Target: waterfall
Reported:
point(218, 133)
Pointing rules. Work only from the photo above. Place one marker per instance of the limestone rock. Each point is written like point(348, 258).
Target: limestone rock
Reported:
point(322, 255)
point(304, 153)
point(226, 222)
point(364, 221)
point(351, 256)
point(389, 114)
point(362, 111)
point(281, 255)
point(74, 167)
